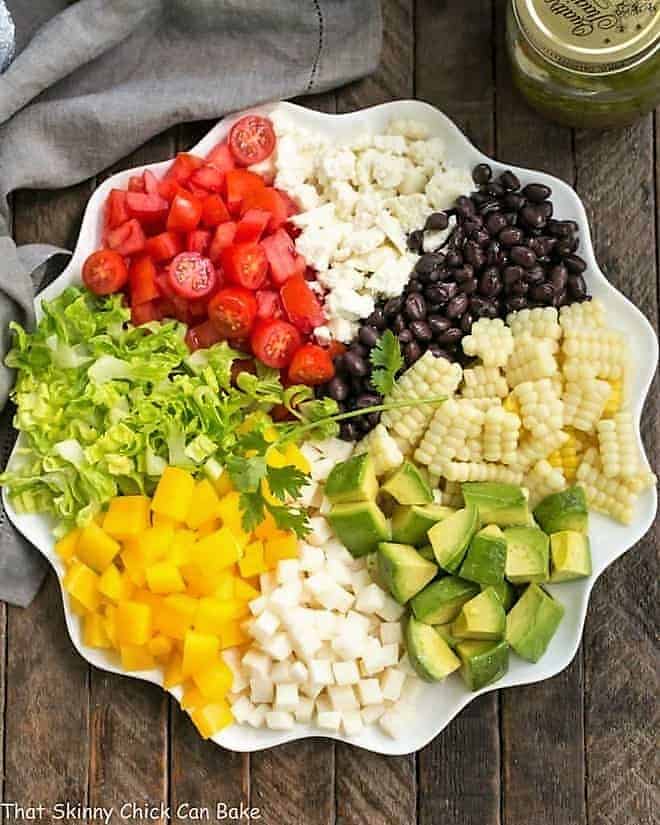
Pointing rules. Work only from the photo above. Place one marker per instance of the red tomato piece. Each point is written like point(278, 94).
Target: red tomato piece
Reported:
point(144, 313)
point(199, 240)
point(150, 182)
point(268, 304)
point(191, 275)
point(209, 178)
point(168, 188)
point(336, 348)
point(311, 365)
point(202, 336)
point(148, 208)
point(214, 211)
point(126, 239)
point(301, 304)
point(251, 139)
point(183, 166)
point(136, 183)
point(245, 264)
point(274, 342)
point(241, 185)
point(165, 287)
point(292, 207)
point(270, 200)
point(199, 309)
point(115, 209)
point(233, 311)
point(282, 256)
point(252, 225)
point(223, 237)
point(104, 272)
point(185, 212)
point(142, 280)
point(163, 247)
point(221, 157)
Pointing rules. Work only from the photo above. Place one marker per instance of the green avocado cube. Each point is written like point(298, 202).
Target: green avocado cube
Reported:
point(532, 622)
point(506, 593)
point(566, 510)
point(570, 555)
point(441, 600)
point(486, 557)
point(497, 503)
point(352, 480)
point(429, 653)
point(411, 522)
point(450, 537)
point(483, 617)
point(527, 555)
point(482, 663)
point(426, 552)
point(444, 630)
point(359, 525)
point(403, 570)
point(407, 485)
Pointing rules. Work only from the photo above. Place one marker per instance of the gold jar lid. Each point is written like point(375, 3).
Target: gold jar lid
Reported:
point(592, 36)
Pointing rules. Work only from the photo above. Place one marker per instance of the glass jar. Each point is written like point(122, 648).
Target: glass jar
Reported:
point(586, 63)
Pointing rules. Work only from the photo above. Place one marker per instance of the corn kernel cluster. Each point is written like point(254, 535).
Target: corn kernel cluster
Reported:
point(490, 341)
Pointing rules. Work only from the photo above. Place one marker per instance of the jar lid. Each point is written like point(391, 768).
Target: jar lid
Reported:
point(594, 36)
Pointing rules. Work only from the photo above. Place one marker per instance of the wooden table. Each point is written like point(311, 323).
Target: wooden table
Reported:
point(578, 748)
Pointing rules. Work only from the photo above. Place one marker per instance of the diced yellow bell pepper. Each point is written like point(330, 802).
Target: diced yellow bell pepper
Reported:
point(159, 520)
point(244, 591)
point(127, 516)
point(66, 547)
point(133, 561)
point(82, 583)
point(174, 616)
point(225, 585)
point(217, 551)
point(172, 674)
point(127, 586)
point(198, 584)
point(164, 578)
point(295, 458)
point(230, 512)
point(267, 529)
point(77, 608)
point(192, 697)
point(160, 647)
point(208, 527)
point(94, 632)
point(136, 657)
point(174, 494)
point(211, 719)
point(277, 549)
point(253, 562)
point(212, 614)
point(110, 623)
point(155, 543)
point(110, 583)
point(179, 552)
point(96, 548)
point(199, 650)
point(143, 595)
point(214, 681)
point(134, 623)
point(223, 485)
point(233, 634)
point(204, 505)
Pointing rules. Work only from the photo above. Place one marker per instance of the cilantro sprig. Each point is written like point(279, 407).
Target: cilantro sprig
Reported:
point(386, 360)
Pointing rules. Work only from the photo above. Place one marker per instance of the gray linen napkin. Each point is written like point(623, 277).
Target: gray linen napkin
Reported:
point(94, 79)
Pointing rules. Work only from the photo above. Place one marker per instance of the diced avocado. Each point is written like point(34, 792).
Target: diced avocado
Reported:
point(408, 486)
point(441, 601)
point(482, 662)
point(445, 632)
point(563, 511)
point(506, 593)
point(527, 555)
point(411, 522)
point(496, 503)
point(372, 568)
point(571, 556)
point(483, 617)
point(486, 557)
point(450, 537)
point(352, 480)
point(359, 526)
point(426, 552)
point(403, 571)
point(531, 623)
point(429, 654)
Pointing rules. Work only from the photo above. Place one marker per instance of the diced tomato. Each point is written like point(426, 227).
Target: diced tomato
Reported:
point(214, 211)
point(311, 365)
point(274, 342)
point(104, 272)
point(271, 201)
point(126, 239)
point(199, 240)
point(233, 311)
point(252, 225)
point(223, 237)
point(268, 304)
point(143, 313)
point(164, 286)
point(241, 185)
point(163, 247)
point(301, 304)
point(221, 158)
point(192, 275)
point(202, 336)
point(251, 139)
point(292, 207)
point(282, 257)
point(185, 212)
point(245, 264)
point(150, 209)
point(142, 280)
point(150, 182)
point(209, 178)
point(183, 167)
point(115, 209)
point(136, 183)
point(199, 310)
point(168, 188)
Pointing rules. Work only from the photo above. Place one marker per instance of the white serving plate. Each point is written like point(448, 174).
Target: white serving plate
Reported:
point(438, 703)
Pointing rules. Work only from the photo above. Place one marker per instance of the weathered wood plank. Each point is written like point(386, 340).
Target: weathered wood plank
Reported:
point(615, 179)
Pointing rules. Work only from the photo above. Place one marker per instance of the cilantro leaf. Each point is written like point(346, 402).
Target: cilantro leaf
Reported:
point(252, 507)
point(252, 440)
point(246, 473)
point(285, 481)
point(387, 360)
point(289, 518)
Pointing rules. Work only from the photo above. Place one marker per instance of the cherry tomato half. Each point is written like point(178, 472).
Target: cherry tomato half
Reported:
point(245, 264)
point(105, 272)
point(191, 275)
point(274, 342)
point(233, 311)
point(311, 365)
point(251, 139)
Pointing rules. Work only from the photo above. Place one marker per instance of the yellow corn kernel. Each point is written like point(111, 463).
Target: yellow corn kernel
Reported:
point(174, 494)
point(155, 543)
point(225, 585)
point(110, 583)
point(199, 649)
point(94, 632)
point(511, 404)
point(233, 634)
point(204, 505)
point(174, 616)
point(253, 562)
point(134, 623)
point(66, 547)
point(212, 614)
point(136, 657)
point(244, 591)
point(615, 400)
point(160, 647)
point(211, 719)
point(208, 527)
point(217, 551)
point(281, 547)
point(96, 548)
point(214, 681)
point(82, 584)
point(192, 698)
point(160, 520)
point(172, 674)
point(127, 516)
point(164, 578)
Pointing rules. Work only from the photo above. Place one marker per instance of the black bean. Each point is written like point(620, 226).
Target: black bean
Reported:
point(464, 206)
point(479, 197)
point(453, 258)
point(490, 283)
point(511, 236)
point(436, 294)
point(519, 288)
point(438, 324)
point(416, 241)
point(405, 336)
point(437, 220)
point(474, 254)
point(479, 306)
point(399, 324)
point(464, 273)
point(466, 323)
point(412, 352)
point(393, 306)
point(511, 218)
point(421, 330)
point(377, 319)
point(414, 285)
point(575, 264)
point(355, 364)
point(358, 349)
point(495, 222)
point(414, 307)
point(481, 174)
point(470, 287)
point(495, 255)
point(535, 274)
point(366, 400)
point(457, 306)
point(428, 262)
point(480, 236)
point(337, 389)
point(559, 277)
point(542, 245)
point(537, 192)
point(542, 293)
point(349, 431)
point(566, 247)
point(512, 274)
point(561, 300)
point(546, 209)
point(523, 256)
point(509, 181)
point(513, 201)
point(438, 352)
point(532, 216)
point(451, 337)
point(516, 303)
point(576, 287)
point(368, 336)
point(490, 206)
